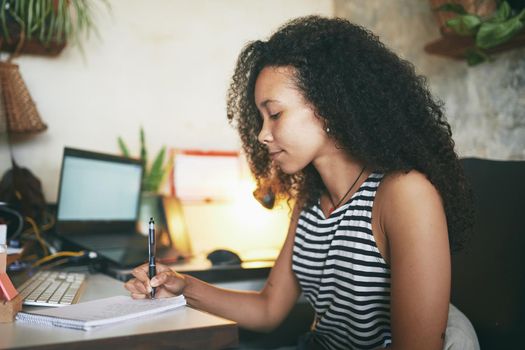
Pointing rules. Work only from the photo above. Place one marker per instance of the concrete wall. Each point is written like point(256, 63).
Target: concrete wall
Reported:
point(485, 105)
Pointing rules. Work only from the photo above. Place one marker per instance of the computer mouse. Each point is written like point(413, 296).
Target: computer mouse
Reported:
point(223, 257)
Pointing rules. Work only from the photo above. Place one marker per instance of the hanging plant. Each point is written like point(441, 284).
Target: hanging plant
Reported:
point(49, 23)
point(488, 32)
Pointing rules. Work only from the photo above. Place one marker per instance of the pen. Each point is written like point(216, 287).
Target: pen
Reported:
point(151, 252)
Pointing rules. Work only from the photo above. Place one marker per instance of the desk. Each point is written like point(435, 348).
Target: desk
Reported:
point(202, 269)
point(183, 328)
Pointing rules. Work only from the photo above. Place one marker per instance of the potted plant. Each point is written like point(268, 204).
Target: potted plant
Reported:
point(44, 26)
point(153, 175)
point(475, 32)
point(152, 178)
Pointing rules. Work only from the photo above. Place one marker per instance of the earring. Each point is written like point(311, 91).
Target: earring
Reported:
point(327, 130)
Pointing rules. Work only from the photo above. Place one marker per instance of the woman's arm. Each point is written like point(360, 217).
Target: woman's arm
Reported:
point(260, 311)
point(414, 222)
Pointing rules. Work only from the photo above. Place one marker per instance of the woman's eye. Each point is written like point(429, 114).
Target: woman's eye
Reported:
point(275, 116)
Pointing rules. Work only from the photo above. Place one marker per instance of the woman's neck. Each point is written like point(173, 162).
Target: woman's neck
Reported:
point(339, 171)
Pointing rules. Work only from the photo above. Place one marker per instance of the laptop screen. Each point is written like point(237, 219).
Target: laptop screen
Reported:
point(98, 187)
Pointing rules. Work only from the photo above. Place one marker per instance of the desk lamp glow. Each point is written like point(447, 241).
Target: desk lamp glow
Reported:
point(231, 218)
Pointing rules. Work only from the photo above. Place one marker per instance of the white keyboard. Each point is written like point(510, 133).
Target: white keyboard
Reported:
point(52, 288)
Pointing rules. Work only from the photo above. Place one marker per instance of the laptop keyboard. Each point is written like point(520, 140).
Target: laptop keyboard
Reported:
point(52, 288)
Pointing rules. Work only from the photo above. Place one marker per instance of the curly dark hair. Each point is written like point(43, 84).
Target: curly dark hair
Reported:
point(378, 110)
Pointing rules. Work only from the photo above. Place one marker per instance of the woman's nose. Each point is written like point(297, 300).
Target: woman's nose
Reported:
point(265, 135)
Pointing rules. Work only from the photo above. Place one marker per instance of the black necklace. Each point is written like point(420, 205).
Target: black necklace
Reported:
point(334, 207)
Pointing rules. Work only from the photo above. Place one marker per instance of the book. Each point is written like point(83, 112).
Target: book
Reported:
point(92, 314)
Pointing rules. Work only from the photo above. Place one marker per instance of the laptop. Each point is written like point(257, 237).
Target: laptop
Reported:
point(98, 205)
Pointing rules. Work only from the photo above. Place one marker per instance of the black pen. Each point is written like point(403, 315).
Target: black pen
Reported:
point(151, 253)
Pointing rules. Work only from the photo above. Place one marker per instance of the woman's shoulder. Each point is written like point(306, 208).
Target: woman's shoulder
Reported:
point(407, 195)
point(400, 184)
point(407, 208)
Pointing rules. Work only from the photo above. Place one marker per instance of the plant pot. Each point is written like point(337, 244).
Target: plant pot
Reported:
point(455, 46)
point(34, 47)
point(170, 226)
point(31, 46)
point(150, 207)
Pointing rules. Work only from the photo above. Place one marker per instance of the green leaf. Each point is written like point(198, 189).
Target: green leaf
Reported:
point(50, 31)
point(475, 56)
point(464, 24)
point(159, 161)
point(5, 31)
point(40, 24)
point(492, 34)
point(143, 150)
point(59, 24)
point(451, 7)
point(156, 172)
point(29, 20)
point(17, 18)
point(123, 148)
point(502, 14)
point(167, 168)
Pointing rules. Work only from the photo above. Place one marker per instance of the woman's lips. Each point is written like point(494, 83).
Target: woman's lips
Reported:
point(275, 154)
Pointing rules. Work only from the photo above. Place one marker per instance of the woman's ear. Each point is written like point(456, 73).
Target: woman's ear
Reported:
point(326, 125)
point(324, 122)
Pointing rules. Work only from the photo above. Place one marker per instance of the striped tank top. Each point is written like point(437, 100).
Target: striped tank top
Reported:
point(342, 273)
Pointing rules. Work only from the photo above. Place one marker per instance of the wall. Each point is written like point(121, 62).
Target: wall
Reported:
point(162, 64)
point(485, 105)
point(165, 65)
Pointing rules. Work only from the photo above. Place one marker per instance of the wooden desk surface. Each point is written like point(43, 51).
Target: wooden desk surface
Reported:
point(183, 328)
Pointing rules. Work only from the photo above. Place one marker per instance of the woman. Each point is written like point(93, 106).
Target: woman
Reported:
point(330, 118)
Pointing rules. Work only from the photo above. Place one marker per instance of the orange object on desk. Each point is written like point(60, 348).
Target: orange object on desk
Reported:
point(7, 290)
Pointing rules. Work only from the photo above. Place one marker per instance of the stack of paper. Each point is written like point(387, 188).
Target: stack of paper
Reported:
point(96, 313)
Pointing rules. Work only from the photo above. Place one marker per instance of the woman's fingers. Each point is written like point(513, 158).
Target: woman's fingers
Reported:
point(169, 280)
point(136, 286)
point(141, 273)
point(161, 268)
point(138, 296)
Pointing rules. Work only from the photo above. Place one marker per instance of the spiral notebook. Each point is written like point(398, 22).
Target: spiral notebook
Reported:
point(100, 312)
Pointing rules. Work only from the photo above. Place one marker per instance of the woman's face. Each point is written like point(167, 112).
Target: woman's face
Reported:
point(292, 133)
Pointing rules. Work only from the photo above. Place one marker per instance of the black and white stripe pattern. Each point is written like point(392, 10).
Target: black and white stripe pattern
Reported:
point(342, 273)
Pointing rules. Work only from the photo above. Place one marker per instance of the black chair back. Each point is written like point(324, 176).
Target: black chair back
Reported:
point(488, 275)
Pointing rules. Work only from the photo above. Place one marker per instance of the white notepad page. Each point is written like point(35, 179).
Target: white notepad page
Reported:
point(96, 313)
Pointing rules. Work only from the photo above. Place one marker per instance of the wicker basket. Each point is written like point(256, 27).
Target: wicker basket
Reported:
point(20, 110)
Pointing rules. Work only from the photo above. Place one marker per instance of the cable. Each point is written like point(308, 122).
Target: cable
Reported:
point(57, 255)
point(37, 234)
point(4, 208)
point(56, 263)
point(49, 221)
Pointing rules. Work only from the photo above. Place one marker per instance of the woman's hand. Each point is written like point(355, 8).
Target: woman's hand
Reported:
point(168, 282)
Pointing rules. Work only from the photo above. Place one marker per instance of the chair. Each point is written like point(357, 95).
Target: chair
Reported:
point(488, 275)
